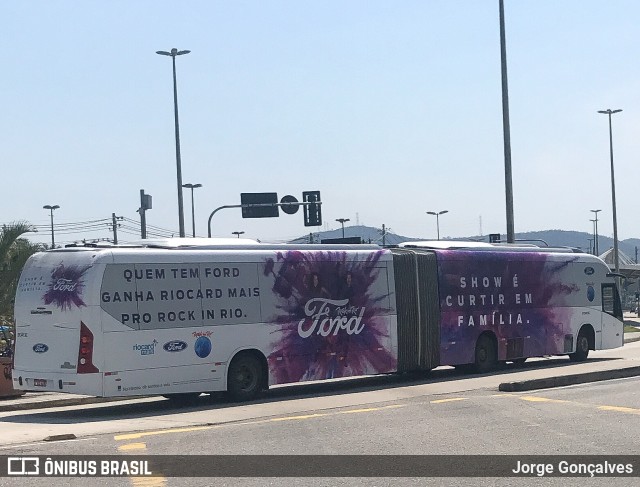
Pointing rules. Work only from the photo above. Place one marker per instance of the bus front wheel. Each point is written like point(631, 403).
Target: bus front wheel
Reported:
point(582, 348)
point(244, 379)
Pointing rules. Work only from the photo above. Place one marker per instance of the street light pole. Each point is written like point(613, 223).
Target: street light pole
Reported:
point(595, 234)
point(174, 52)
point(342, 221)
point(237, 233)
point(51, 208)
point(508, 183)
point(610, 112)
point(437, 215)
point(595, 252)
point(193, 211)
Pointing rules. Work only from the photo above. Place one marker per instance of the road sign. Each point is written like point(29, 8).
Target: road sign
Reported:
point(259, 205)
point(312, 212)
point(289, 204)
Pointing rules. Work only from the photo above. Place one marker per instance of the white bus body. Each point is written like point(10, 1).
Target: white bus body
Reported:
point(172, 319)
point(132, 321)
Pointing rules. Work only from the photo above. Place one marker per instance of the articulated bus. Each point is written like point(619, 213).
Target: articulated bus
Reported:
point(185, 316)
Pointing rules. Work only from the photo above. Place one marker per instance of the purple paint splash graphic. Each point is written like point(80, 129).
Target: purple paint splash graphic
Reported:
point(518, 298)
point(331, 323)
point(65, 288)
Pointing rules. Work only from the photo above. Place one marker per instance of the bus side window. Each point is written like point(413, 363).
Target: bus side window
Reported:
point(611, 300)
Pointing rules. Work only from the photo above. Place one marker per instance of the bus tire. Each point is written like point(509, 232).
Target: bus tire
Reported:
point(244, 378)
point(582, 348)
point(486, 354)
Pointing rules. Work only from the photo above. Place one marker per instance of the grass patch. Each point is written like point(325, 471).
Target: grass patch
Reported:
point(631, 329)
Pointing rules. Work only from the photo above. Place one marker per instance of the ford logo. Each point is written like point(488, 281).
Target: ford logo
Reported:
point(40, 348)
point(174, 346)
point(589, 270)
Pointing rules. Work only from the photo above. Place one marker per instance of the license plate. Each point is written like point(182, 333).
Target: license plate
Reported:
point(40, 382)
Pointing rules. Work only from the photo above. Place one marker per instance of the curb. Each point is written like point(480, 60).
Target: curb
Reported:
point(569, 380)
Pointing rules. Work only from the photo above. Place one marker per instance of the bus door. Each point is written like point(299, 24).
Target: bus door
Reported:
point(612, 324)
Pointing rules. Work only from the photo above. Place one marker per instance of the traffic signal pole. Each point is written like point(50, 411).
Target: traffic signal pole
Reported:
point(258, 205)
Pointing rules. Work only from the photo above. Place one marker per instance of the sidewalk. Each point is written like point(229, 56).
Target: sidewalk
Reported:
point(631, 319)
point(41, 400)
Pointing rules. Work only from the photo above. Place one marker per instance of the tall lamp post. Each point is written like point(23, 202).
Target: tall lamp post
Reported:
point(595, 250)
point(610, 112)
point(437, 215)
point(174, 52)
point(342, 221)
point(237, 233)
point(193, 211)
point(51, 208)
point(595, 233)
point(508, 184)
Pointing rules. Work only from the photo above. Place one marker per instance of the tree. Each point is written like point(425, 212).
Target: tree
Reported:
point(14, 252)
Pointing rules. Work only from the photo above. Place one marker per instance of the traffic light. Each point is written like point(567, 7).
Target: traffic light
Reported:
point(312, 212)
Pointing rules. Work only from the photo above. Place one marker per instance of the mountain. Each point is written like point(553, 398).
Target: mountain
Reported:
point(554, 238)
point(368, 235)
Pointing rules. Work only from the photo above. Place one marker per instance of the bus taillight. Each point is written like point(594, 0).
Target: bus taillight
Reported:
point(13, 345)
point(85, 351)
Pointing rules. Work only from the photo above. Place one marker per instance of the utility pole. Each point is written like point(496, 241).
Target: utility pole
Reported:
point(384, 235)
point(114, 224)
point(145, 204)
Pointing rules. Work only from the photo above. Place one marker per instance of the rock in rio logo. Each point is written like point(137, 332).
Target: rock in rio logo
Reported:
point(65, 288)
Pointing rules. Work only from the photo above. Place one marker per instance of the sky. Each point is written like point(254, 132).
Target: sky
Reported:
point(389, 109)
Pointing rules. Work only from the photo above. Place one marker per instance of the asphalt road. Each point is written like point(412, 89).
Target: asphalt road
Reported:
point(599, 419)
point(443, 412)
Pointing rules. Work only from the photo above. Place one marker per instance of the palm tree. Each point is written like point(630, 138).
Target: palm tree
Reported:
point(14, 252)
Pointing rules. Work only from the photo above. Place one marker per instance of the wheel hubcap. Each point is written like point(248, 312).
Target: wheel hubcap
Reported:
point(246, 378)
point(584, 344)
point(482, 355)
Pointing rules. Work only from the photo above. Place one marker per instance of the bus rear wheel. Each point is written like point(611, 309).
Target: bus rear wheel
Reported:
point(244, 379)
point(582, 348)
point(486, 354)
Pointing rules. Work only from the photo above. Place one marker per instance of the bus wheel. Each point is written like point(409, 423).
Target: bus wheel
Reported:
point(582, 348)
point(486, 356)
point(244, 379)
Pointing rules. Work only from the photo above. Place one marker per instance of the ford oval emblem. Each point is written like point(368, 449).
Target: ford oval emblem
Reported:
point(589, 270)
point(40, 348)
point(174, 346)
